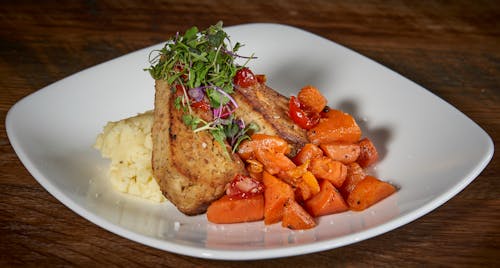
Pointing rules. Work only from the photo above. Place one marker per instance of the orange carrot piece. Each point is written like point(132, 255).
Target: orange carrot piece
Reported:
point(296, 217)
point(327, 201)
point(275, 143)
point(293, 176)
point(328, 169)
point(335, 126)
point(234, 210)
point(246, 150)
point(369, 191)
point(274, 162)
point(255, 175)
point(255, 169)
point(276, 194)
point(368, 154)
point(308, 152)
point(312, 99)
point(340, 151)
point(355, 174)
point(258, 141)
point(311, 182)
point(303, 191)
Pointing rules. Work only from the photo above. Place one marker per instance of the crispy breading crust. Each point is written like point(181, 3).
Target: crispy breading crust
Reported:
point(192, 169)
point(269, 109)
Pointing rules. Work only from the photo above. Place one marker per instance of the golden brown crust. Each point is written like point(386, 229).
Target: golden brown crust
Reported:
point(192, 169)
point(269, 109)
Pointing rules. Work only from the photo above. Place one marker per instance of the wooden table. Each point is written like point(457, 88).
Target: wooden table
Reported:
point(452, 49)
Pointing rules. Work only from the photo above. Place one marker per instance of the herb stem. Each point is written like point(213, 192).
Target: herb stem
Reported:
point(202, 60)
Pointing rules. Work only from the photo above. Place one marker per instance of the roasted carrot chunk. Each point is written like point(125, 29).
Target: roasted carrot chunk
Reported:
point(369, 191)
point(335, 126)
point(293, 176)
point(274, 162)
point(341, 151)
point(308, 152)
point(255, 169)
point(368, 153)
point(355, 174)
point(302, 192)
point(268, 150)
point(327, 201)
point(276, 194)
point(275, 143)
point(246, 150)
point(305, 183)
point(311, 182)
point(328, 169)
point(312, 99)
point(258, 141)
point(296, 217)
point(234, 210)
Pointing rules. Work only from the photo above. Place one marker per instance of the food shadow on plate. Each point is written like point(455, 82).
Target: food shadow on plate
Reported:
point(380, 135)
point(288, 78)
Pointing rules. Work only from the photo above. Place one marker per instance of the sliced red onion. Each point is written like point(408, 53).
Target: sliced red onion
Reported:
point(217, 112)
point(196, 93)
point(244, 187)
point(231, 191)
point(246, 184)
point(220, 90)
point(240, 123)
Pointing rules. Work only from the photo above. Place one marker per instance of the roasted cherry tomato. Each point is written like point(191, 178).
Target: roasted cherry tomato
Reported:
point(243, 187)
point(179, 67)
point(179, 90)
point(226, 111)
point(244, 78)
point(304, 118)
point(203, 104)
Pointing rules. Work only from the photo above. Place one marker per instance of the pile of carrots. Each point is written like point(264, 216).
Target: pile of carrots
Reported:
point(326, 176)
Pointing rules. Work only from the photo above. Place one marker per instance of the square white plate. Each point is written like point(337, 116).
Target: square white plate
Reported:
point(429, 149)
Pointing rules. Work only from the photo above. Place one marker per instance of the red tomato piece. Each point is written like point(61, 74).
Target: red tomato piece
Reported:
point(204, 105)
point(243, 187)
point(179, 90)
point(304, 118)
point(244, 78)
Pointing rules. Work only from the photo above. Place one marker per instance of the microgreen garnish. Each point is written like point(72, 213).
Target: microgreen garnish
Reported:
point(191, 121)
point(201, 64)
point(177, 102)
point(232, 130)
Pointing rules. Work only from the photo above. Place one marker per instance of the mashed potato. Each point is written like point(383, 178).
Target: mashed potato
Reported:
point(129, 146)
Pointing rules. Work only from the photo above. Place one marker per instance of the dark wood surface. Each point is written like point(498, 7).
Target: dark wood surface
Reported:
point(451, 48)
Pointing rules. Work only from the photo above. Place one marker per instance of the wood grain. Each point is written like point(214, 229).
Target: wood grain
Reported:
point(451, 48)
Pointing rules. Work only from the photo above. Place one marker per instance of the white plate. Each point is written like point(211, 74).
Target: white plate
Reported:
point(429, 149)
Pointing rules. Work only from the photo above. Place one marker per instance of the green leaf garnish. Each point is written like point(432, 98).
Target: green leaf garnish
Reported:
point(191, 121)
point(202, 59)
point(198, 55)
point(218, 134)
point(177, 103)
